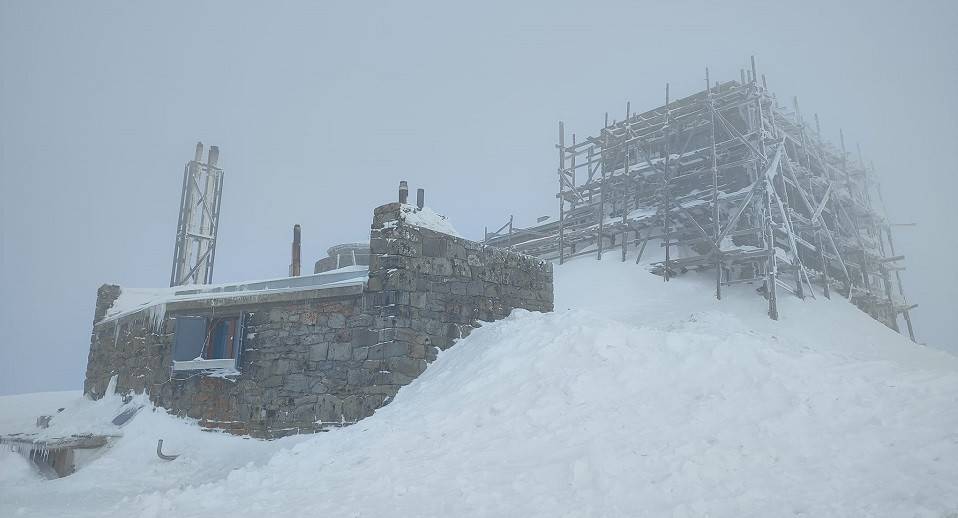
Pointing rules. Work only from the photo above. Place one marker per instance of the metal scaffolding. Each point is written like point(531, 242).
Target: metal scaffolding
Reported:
point(728, 180)
point(195, 247)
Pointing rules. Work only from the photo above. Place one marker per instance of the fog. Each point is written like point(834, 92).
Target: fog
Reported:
point(319, 109)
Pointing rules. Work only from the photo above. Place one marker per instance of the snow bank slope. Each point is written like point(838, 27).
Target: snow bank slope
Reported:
point(128, 467)
point(656, 401)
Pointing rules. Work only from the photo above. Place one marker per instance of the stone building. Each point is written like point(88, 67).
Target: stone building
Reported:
point(302, 354)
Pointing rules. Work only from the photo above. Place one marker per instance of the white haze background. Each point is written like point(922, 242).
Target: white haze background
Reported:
point(320, 108)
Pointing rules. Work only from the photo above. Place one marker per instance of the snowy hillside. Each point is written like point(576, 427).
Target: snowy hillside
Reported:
point(635, 398)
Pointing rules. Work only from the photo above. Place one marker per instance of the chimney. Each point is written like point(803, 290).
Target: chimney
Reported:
point(420, 197)
point(198, 155)
point(403, 191)
point(294, 267)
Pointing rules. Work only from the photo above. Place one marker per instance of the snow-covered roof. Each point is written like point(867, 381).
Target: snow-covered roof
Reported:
point(427, 218)
point(132, 300)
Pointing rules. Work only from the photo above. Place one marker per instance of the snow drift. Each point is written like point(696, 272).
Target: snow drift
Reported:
point(634, 398)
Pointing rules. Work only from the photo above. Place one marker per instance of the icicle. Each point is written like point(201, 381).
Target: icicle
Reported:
point(116, 333)
point(157, 317)
point(111, 387)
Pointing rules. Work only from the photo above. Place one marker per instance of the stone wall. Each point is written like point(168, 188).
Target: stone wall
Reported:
point(323, 357)
point(431, 288)
point(297, 371)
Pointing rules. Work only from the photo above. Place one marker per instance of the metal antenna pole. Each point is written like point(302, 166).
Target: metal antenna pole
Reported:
point(198, 222)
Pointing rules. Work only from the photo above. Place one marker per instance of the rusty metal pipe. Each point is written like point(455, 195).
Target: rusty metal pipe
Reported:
point(295, 265)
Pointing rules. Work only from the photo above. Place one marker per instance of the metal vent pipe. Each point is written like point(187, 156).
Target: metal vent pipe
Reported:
point(294, 267)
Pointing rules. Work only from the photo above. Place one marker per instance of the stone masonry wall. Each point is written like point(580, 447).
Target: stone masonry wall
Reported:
point(431, 288)
point(318, 358)
point(297, 370)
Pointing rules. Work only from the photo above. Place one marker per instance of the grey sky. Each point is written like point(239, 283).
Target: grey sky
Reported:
point(320, 108)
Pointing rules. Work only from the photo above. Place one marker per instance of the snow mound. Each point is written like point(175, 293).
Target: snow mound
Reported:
point(70, 412)
point(634, 398)
point(128, 466)
point(427, 218)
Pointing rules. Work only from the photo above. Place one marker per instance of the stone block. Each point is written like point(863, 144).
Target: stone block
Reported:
point(361, 320)
point(318, 352)
point(352, 409)
point(461, 269)
point(388, 350)
point(375, 282)
point(456, 249)
point(360, 377)
point(377, 246)
point(364, 337)
point(281, 367)
point(296, 383)
point(340, 352)
point(329, 409)
point(371, 402)
point(360, 353)
point(273, 381)
point(442, 267)
point(314, 337)
point(417, 351)
point(388, 390)
point(336, 321)
point(433, 247)
point(406, 366)
point(396, 378)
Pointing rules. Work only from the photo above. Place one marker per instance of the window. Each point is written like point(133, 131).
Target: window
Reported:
point(202, 342)
point(221, 338)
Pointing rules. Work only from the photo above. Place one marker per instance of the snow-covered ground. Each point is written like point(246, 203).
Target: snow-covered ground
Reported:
point(634, 398)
